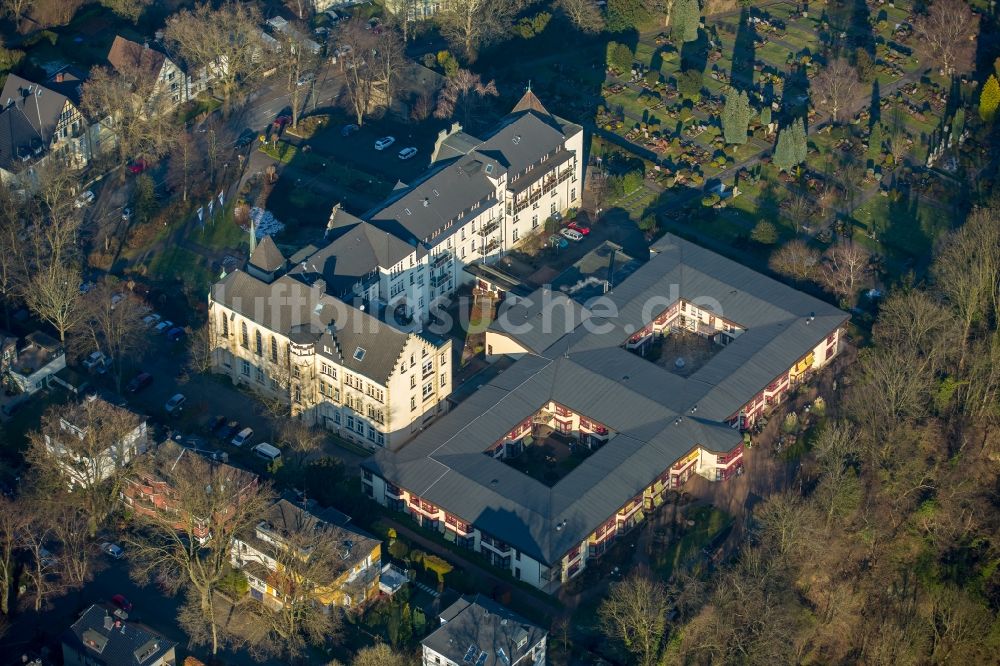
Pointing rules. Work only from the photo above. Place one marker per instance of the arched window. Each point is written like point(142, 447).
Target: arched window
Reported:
point(225, 325)
point(259, 343)
point(244, 335)
point(274, 350)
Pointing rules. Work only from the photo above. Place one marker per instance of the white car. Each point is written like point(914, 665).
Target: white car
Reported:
point(571, 234)
point(113, 549)
point(243, 437)
point(305, 79)
point(96, 362)
point(175, 404)
point(407, 153)
point(151, 319)
point(385, 142)
point(84, 199)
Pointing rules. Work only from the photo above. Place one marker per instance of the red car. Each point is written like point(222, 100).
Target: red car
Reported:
point(123, 603)
point(281, 121)
point(578, 227)
point(138, 166)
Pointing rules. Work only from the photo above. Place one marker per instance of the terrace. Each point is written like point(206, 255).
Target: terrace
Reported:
point(548, 456)
point(682, 352)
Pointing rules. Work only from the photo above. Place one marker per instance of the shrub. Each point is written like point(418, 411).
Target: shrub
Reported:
point(447, 62)
point(438, 566)
point(710, 200)
point(791, 423)
point(689, 84)
point(764, 233)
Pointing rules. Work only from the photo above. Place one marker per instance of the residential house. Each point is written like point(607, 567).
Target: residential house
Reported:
point(283, 31)
point(8, 351)
point(480, 632)
point(597, 383)
point(153, 488)
point(417, 10)
point(39, 122)
point(262, 555)
point(284, 335)
point(100, 638)
point(36, 362)
point(173, 84)
point(89, 422)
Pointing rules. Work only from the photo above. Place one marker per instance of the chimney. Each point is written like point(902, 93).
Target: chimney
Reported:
point(60, 77)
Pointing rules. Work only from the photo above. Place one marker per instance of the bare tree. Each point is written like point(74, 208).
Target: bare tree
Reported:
point(305, 561)
point(189, 543)
point(635, 612)
point(919, 324)
point(403, 13)
point(129, 9)
point(41, 568)
point(304, 9)
point(784, 525)
point(584, 14)
point(379, 654)
point(87, 450)
point(359, 76)
point(113, 319)
point(13, 270)
point(473, 24)
point(836, 86)
point(17, 9)
point(225, 42)
point(301, 441)
point(845, 266)
point(299, 64)
point(947, 33)
point(463, 94)
point(796, 260)
point(15, 517)
point(78, 552)
point(54, 295)
point(201, 349)
point(186, 162)
point(388, 56)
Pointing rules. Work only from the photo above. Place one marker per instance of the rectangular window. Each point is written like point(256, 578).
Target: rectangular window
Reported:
point(296, 372)
point(246, 368)
point(413, 403)
point(428, 389)
point(552, 208)
point(515, 235)
point(534, 221)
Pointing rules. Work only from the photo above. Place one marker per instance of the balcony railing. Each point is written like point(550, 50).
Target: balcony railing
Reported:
point(438, 280)
point(489, 247)
point(441, 260)
point(489, 228)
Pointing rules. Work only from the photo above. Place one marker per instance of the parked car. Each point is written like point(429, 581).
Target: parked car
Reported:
point(558, 241)
point(176, 404)
point(571, 234)
point(349, 129)
point(86, 286)
point(139, 382)
point(216, 423)
point(229, 430)
point(281, 121)
point(138, 166)
point(113, 550)
point(245, 138)
point(305, 79)
point(151, 320)
point(123, 603)
point(243, 437)
point(175, 334)
point(96, 362)
point(164, 326)
point(407, 153)
point(85, 199)
point(126, 214)
point(576, 226)
point(267, 452)
point(116, 299)
point(384, 142)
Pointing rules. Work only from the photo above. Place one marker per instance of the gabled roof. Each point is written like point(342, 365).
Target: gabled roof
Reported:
point(40, 105)
point(267, 257)
point(126, 54)
point(18, 138)
point(529, 102)
point(294, 307)
point(104, 639)
point(480, 625)
point(68, 81)
point(656, 416)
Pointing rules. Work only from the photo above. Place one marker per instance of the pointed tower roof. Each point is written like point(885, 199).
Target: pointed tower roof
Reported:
point(267, 257)
point(529, 102)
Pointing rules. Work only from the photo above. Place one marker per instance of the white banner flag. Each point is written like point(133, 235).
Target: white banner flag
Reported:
point(220, 198)
point(201, 214)
point(211, 204)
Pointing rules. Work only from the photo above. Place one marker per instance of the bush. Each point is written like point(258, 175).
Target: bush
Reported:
point(710, 200)
point(437, 565)
point(448, 63)
point(764, 233)
point(791, 423)
point(399, 550)
point(689, 84)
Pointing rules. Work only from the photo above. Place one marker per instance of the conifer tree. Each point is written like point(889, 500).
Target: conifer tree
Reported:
point(875, 141)
point(684, 17)
point(736, 117)
point(989, 99)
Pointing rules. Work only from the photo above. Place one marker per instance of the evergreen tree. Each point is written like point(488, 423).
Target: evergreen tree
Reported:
point(619, 57)
point(875, 144)
point(801, 142)
point(765, 116)
point(989, 99)
point(791, 146)
point(764, 233)
point(626, 14)
point(684, 19)
point(736, 117)
point(958, 124)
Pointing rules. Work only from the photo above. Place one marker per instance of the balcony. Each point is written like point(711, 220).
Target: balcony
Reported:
point(490, 227)
point(490, 246)
point(438, 280)
point(441, 260)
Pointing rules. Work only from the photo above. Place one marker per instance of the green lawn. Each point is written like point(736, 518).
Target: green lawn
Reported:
point(175, 262)
point(681, 548)
point(282, 151)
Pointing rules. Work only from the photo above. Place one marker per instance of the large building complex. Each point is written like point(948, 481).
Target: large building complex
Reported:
point(479, 631)
point(594, 381)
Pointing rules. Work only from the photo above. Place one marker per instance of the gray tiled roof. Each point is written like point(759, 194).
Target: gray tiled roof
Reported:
point(41, 106)
point(648, 408)
point(121, 645)
point(294, 308)
point(267, 257)
point(17, 137)
point(486, 625)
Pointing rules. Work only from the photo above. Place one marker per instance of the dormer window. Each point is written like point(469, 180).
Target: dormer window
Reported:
point(516, 139)
point(489, 168)
point(407, 211)
point(359, 354)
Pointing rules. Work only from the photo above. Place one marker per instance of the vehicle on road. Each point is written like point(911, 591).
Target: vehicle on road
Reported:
point(558, 241)
point(384, 142)
point(175, 334)
point(176, 404)
point(407, 153)
point(113, 550)
point(306, 79)
point(86, 286)
point(281, 121)
point(84, 199)
point(571, 234)
point(575, 226)
point(243, 437)
point(245, 138)
point(139, 382)
point(267, 452)
point(123, 603)
point(96, 362)
point(348, 130)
